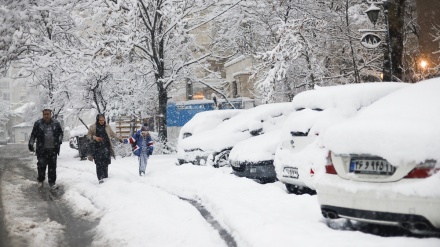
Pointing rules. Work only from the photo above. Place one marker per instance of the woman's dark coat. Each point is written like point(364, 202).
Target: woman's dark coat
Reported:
point(97, 151)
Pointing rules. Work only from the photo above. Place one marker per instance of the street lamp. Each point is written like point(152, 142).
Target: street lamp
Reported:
point(423, 64)
point(373, 14)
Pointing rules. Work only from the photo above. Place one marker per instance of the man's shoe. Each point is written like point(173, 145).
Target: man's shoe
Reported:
point(101, 181)
point(53, 186)
point(142, 174)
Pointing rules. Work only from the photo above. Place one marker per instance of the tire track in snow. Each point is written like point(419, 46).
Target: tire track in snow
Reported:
point(229, 240)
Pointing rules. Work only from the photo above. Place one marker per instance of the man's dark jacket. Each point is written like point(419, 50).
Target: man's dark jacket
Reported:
point(38, 134)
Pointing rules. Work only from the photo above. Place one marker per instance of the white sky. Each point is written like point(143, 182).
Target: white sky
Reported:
point(147, 211)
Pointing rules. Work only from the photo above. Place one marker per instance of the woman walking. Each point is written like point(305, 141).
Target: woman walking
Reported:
point(100, 133)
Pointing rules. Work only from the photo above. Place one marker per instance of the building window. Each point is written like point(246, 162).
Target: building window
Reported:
point(234, 89)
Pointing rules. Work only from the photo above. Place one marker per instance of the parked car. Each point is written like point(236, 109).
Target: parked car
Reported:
point(3, 142)
point(383, 165)
point(206, 120)
point(78, 140)
point(300, 157)
point(201, 122)
point(212, 147)
point(253, 158)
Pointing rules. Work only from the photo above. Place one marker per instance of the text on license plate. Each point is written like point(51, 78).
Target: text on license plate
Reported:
point(372, 166)
point(290, 172)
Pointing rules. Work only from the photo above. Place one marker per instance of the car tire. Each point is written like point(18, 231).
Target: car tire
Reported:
point(299, 190)
point(222, 159)
point(293, 189)
point(267, 180)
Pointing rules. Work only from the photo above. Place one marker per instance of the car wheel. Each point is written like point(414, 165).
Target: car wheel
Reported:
point(292, 189)
point(222, 159)
point(267, 180)
point(299, 190)
point(311, 192)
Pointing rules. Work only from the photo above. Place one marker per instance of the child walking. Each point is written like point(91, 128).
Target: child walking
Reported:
point(143, 147)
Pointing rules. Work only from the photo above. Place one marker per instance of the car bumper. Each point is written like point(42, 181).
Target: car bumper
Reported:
point(292, 181)
point(380, 203)
point(197, 160)
point(261, 170)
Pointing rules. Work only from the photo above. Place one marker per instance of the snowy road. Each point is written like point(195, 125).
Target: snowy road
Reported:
point(32, 215)
point(171, 206)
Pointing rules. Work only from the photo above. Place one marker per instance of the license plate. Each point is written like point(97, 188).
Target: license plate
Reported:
point(290, 172)
point(371, 166)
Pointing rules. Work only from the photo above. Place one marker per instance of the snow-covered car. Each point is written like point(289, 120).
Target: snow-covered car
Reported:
point(78, 140)
point(300, 157)
point(212, 147)
point(201, 122)
point(253, 158)
point(383, 165)
point(3, 142)
point(206, 120)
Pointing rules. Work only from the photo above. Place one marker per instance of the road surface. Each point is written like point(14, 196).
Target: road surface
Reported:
point(40, 207)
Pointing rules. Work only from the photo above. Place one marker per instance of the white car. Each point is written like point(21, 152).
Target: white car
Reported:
point(253, 158)
point(300, 157)
point(201, 122)
point(383, 166)
point(212, 147)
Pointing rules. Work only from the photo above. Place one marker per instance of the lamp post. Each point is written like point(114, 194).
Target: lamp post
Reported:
point(423, 65)
point(373, 14)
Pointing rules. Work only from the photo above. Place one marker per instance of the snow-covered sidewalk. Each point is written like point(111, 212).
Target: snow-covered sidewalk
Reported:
point(149, 211)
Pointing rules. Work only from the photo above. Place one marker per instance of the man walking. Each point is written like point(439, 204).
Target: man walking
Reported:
point(49, 136)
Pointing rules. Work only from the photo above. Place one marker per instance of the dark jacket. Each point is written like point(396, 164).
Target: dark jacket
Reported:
point(38, 135)
point(95, 147)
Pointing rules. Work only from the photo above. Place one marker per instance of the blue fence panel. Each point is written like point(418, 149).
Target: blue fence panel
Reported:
point(178, 114)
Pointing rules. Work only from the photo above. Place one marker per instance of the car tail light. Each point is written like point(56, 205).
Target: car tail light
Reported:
point(424, 170)
point(329, 168)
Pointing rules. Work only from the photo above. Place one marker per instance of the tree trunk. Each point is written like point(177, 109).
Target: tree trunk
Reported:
point(396, 22)
point(162, 118)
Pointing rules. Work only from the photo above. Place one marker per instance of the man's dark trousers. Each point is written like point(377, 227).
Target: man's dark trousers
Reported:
point(47, 158)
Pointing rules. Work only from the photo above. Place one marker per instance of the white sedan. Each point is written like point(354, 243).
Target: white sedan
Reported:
point(300, 157)
point(383, 166)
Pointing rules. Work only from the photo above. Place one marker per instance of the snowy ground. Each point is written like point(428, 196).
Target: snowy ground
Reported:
point(149, 211)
